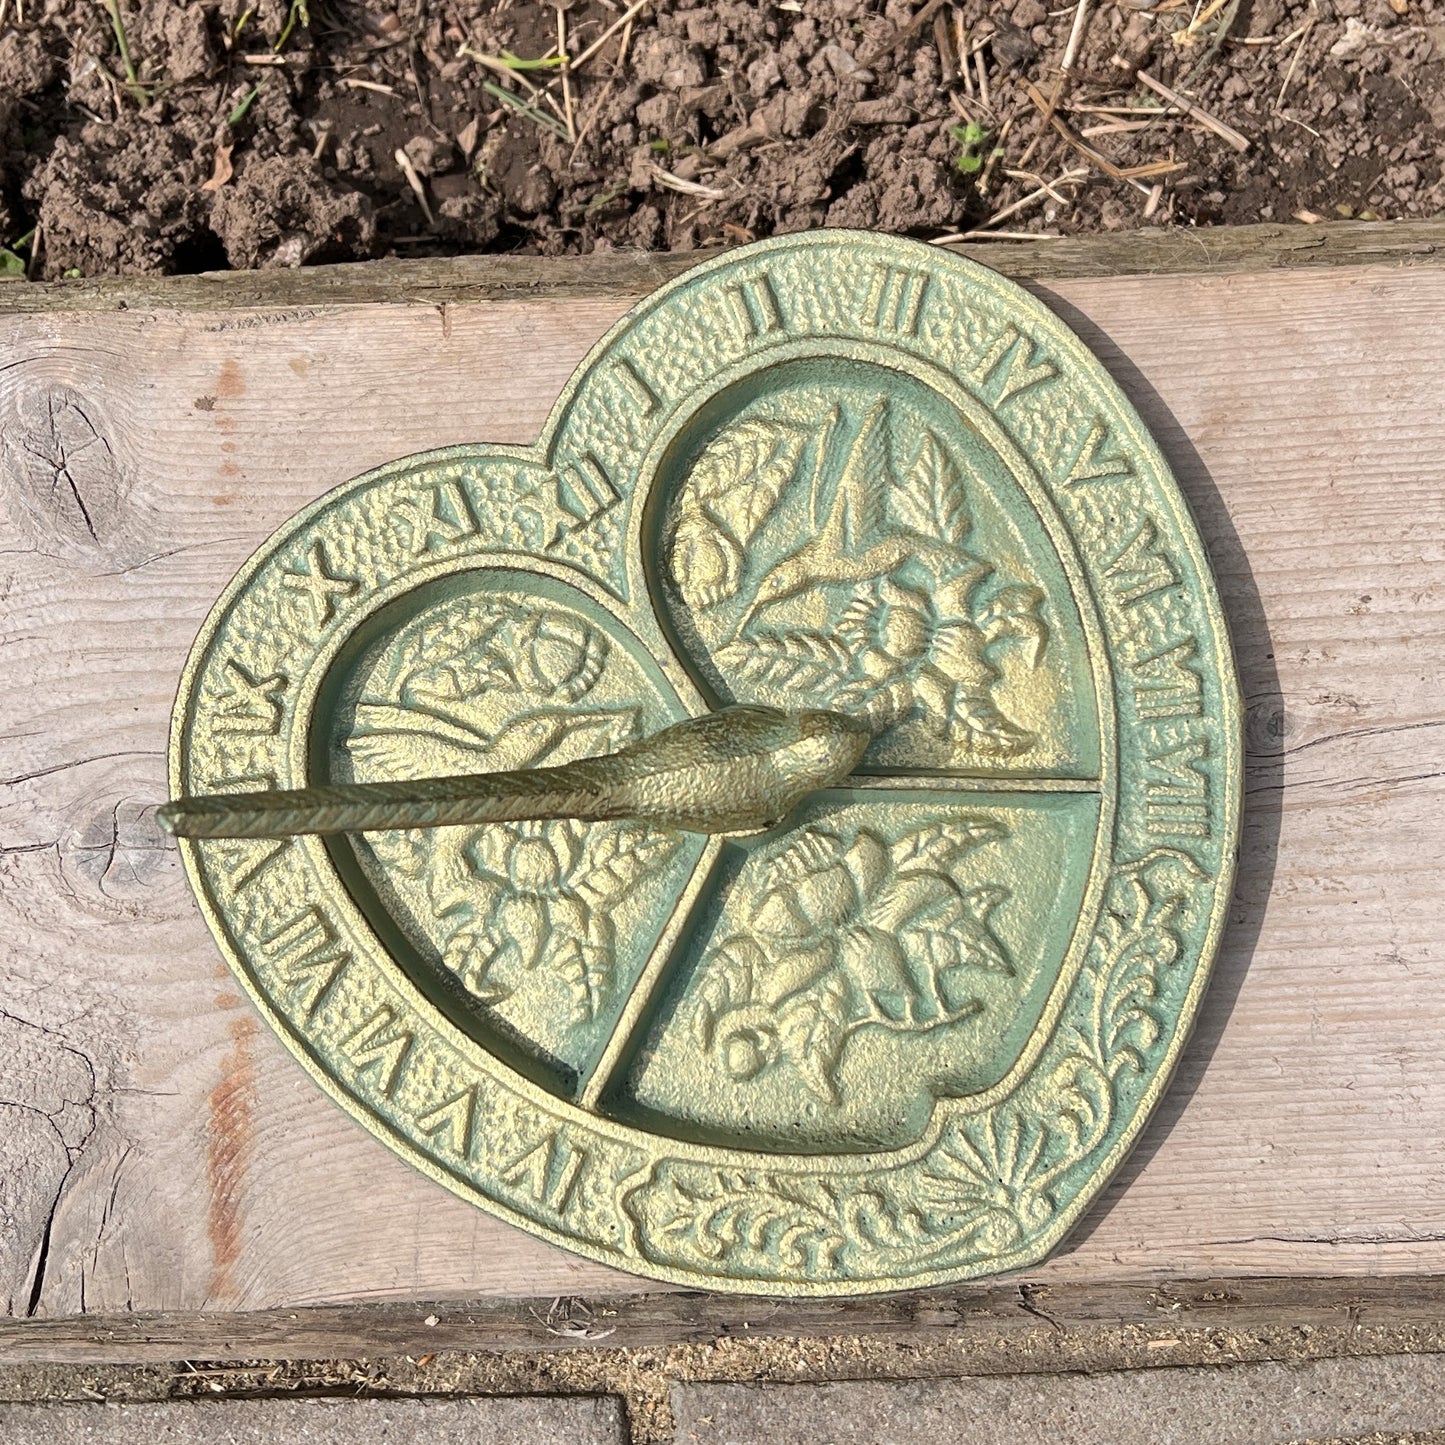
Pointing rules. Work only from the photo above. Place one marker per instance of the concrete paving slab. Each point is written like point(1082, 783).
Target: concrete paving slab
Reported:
point(1389, 1437)
point(1255, 1404)
point(577, 1420)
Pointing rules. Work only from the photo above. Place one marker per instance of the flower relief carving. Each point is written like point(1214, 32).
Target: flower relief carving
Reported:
point(850, 933)
point(498, 685)
point(992, 1182)
point(916, 621)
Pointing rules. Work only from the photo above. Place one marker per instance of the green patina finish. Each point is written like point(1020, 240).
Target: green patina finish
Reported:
point(905, 1035)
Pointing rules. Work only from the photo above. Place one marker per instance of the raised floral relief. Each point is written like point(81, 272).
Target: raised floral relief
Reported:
point(993, 1182)
point(850, 933)
point(876, 606)
point(548, 887)
point(730, 492)
point(497, 684)
point(902, 1037)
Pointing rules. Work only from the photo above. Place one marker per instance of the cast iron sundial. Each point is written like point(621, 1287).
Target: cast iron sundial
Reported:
point(904, 1033)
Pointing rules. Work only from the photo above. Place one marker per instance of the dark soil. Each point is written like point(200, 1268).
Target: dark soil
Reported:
point(235, 141)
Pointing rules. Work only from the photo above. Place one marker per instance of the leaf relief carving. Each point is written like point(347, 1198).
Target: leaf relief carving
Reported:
point(731, 490)
point(851, 933)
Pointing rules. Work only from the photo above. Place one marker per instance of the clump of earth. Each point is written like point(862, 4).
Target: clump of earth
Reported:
point(226, 134)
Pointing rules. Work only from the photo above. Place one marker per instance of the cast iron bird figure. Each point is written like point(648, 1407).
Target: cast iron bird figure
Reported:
point(738, 770)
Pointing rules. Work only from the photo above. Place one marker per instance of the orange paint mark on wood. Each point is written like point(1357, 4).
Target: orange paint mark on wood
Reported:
point(229, 1144)
point(230, 383)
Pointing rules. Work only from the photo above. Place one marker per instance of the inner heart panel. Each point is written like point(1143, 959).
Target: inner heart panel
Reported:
point(839, 533)
point(885, 950)
point(529, 935)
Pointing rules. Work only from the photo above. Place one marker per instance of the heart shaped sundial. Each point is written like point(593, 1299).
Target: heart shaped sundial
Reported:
point(898, 1036)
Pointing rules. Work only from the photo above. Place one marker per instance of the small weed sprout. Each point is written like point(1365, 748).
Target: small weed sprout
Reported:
point(971, 138)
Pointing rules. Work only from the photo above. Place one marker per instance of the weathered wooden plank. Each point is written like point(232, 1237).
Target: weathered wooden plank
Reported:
point(1215, 250)
point(980, 1328)
point(160, 1152)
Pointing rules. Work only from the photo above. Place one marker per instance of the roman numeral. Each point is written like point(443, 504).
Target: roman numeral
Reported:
point(316, 584)
point(1094, 462)
point(451, 1123)
point(894, 299)
point(308, 957)
point(1140, 569)
point(1176, 800)
point(548, 1171)
point(642, 396)
point(1167, 684)
point(1015, 360)
point(252, 705)
point(437, 517)
point(754, 306)
point(585, 490)
point(378, 1044)
point(246, 859)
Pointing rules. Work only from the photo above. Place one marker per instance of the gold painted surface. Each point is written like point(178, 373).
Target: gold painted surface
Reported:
point(904, 1036)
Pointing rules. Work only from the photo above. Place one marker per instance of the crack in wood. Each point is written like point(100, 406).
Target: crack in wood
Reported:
point(30, 1057)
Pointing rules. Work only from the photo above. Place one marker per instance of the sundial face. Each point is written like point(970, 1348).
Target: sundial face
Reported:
point(904, 1037)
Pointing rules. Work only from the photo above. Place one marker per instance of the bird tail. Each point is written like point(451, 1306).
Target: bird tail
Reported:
point(376, 807)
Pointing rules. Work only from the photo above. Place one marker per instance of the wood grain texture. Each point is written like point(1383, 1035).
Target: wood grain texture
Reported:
point(166, 1154)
